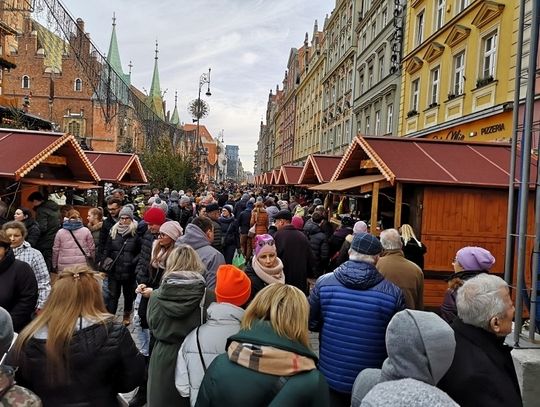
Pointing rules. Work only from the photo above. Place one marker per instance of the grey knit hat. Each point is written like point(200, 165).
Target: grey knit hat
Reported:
point(6, 331)
point(126, 211)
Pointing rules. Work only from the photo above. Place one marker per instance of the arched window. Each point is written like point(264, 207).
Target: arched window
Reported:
point(74, 128)
point(25, 83)
point(77, 86)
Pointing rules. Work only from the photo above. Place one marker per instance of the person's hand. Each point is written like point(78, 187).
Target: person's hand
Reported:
point(140, 288)
point(147, 292)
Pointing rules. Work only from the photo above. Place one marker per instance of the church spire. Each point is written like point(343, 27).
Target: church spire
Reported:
point(154, 97)
point(175, 119)
point(113, 56)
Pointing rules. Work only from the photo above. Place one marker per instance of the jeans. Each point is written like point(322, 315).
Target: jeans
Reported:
point(143, 335)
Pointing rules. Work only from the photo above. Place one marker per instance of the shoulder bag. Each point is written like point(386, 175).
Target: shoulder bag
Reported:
point(89, 260)
point(107, 264)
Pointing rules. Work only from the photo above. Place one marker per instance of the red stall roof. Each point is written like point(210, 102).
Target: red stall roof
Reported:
point(319, 168)
point(289, 174)
point(122, 168)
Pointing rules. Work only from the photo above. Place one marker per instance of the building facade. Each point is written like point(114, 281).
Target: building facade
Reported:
point(232, 161)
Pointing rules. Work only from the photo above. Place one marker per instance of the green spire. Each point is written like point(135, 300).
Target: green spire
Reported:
point(154, 97)
point(113, 56)
point(175, 119)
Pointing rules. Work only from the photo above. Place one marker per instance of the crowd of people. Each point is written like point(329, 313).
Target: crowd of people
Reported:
point(223, 289)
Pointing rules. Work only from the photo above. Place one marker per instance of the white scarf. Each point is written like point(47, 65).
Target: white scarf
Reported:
point(269, 275)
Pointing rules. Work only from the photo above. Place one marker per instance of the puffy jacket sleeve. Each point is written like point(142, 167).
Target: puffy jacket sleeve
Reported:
point(181, 375)
point(143, 263)
point(315, 309)
point(33, 234)
point(90, 246)
point(131, 364)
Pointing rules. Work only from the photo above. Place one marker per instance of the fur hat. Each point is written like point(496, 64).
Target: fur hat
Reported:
point(172, 229)
point(264, 244)
point(6, 331)
point(365, 243)
point(154, 216)
point(233, 286)
point(475, 258)
point(126, 211)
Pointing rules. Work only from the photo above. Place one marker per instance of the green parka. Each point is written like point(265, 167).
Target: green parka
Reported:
point(174, 310)
point(226, 383)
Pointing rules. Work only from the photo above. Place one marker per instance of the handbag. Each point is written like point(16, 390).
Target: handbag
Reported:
point(107, 264)
point(89, 260)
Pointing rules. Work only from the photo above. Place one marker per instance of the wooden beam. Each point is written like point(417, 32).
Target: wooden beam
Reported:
point(369, 187)
point(374, 208)
point(55, 160)
point(398, 205)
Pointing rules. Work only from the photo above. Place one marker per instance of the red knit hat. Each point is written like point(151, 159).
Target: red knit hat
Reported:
point(233, 286)
point(154, 216)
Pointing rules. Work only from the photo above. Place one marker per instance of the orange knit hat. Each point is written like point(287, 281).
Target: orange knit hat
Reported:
point(233, 286)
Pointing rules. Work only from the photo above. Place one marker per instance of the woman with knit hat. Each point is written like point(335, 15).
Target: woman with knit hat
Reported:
point(205, 343)
point(268, 362)
point(265, 267)
point(176, 308)
point(469, 262)
point(122, 247)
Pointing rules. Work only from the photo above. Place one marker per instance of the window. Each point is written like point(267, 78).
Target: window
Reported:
point(77, 86)
point(459, 70)
point(381, 67)
point(389, 119)
point(349, 80)
point(434, 91)
point(362, 84)
point(490, 55)
point(384, 18)
point(25, 83)
point(439, 14)
point(461, 5)
point(364, 40)
point(419, 28)
point(74, 128)
point(342, 86)
point(347, 131)
point(415, 93)
point(370, 77)
point(377, 122)
point(367, 124)
point(373, 30)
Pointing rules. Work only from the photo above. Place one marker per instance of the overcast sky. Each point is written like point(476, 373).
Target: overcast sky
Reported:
point(245, 42)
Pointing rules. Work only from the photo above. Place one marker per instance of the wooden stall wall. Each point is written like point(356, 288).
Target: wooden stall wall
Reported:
point(456, 217)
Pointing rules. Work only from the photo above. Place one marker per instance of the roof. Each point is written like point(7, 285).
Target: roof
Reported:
point(319, 168)
point(289, 174)
point(348, 183)
point(118, 167)
point(429, 161)
point(22, 151)
point(274, 179)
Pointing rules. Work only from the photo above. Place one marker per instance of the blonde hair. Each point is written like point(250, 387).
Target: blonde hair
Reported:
point(73, 213)
point(407, 233)
point(285, 307)
point(76, 293)
point(184, 258)
point(132, 229)
point(98, 212)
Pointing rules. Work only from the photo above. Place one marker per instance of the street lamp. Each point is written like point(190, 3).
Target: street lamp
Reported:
point(204, 79)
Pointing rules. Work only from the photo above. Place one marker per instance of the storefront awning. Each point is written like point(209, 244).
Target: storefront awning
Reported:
point(348, 183)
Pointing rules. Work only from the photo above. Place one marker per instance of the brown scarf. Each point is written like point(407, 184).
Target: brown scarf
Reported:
point(269, 274)
point(269, 360)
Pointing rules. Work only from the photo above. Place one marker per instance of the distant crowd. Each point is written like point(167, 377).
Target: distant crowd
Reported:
point(222, 289)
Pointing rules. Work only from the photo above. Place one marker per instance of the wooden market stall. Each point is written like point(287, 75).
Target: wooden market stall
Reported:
point(46, 161)
point(453, 194)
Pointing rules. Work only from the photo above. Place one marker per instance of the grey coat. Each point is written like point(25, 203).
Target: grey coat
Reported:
point(223, 321)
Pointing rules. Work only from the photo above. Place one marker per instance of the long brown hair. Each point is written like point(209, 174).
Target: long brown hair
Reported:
point(76, 293)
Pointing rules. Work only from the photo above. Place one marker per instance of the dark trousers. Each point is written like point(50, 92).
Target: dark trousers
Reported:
point(338, 399)
point(117, 287)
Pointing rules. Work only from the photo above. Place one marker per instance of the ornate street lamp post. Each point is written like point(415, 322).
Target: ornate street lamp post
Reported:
point(199, 109)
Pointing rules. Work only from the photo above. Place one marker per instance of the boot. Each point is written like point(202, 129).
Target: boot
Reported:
point(127, 318)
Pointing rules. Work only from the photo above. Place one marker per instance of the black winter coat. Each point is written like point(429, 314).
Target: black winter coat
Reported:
point(256, 283)
point(104, 234)
point(243, 221)
point(319, 246)
point(32, 228)
point(104, 361)
point(482, 372)
point(229, 232)
point(126, 263)
point(294, 251)
point(18, 290)
point(336, 240)
point(142, 269)
point(48, 219)
point(415, 253)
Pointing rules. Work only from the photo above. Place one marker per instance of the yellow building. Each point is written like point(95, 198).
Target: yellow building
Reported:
point(309, 98)
point(457, 70)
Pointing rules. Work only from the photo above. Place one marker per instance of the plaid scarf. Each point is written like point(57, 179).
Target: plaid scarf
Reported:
point(269, 360)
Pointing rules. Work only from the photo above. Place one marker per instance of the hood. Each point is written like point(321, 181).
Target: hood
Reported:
point(180, 293)
point(51, 205)
point(420, 345)
point(358, 275)
point(220, 313)
point(311, 227)
point(194, 237)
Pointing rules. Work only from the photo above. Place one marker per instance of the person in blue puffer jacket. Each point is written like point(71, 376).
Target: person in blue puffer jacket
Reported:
point(351, 308)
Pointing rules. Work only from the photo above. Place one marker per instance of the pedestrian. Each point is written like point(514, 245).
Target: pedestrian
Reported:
point(121, 252)
point(32, 228)
point(176, 308)
point(420, 346)
point(186, 211)
point(294, 251)
point(230, 237)
point(338, 237)
point(100, 359)
point(413, 249)
point(3, 212)
point(269, 361)
point(94, 225)
point(199, 234)
point(402, 272)
point(244, 220)
point(343, 256)
point(241, 205)
point(271, 209)
point(16, 232)
point(298, 222)
point(351, 308)
point(48, 219)
point(73, 243)
point(468, 263)
point(318, 244)
point(259, 219)
point(265, 267)
point(205, 343)
point(11, 395)
point(485, 312)
point(114, 206)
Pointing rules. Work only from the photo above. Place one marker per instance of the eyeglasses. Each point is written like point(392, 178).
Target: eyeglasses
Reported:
point(261, 243)
point(162, 235)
